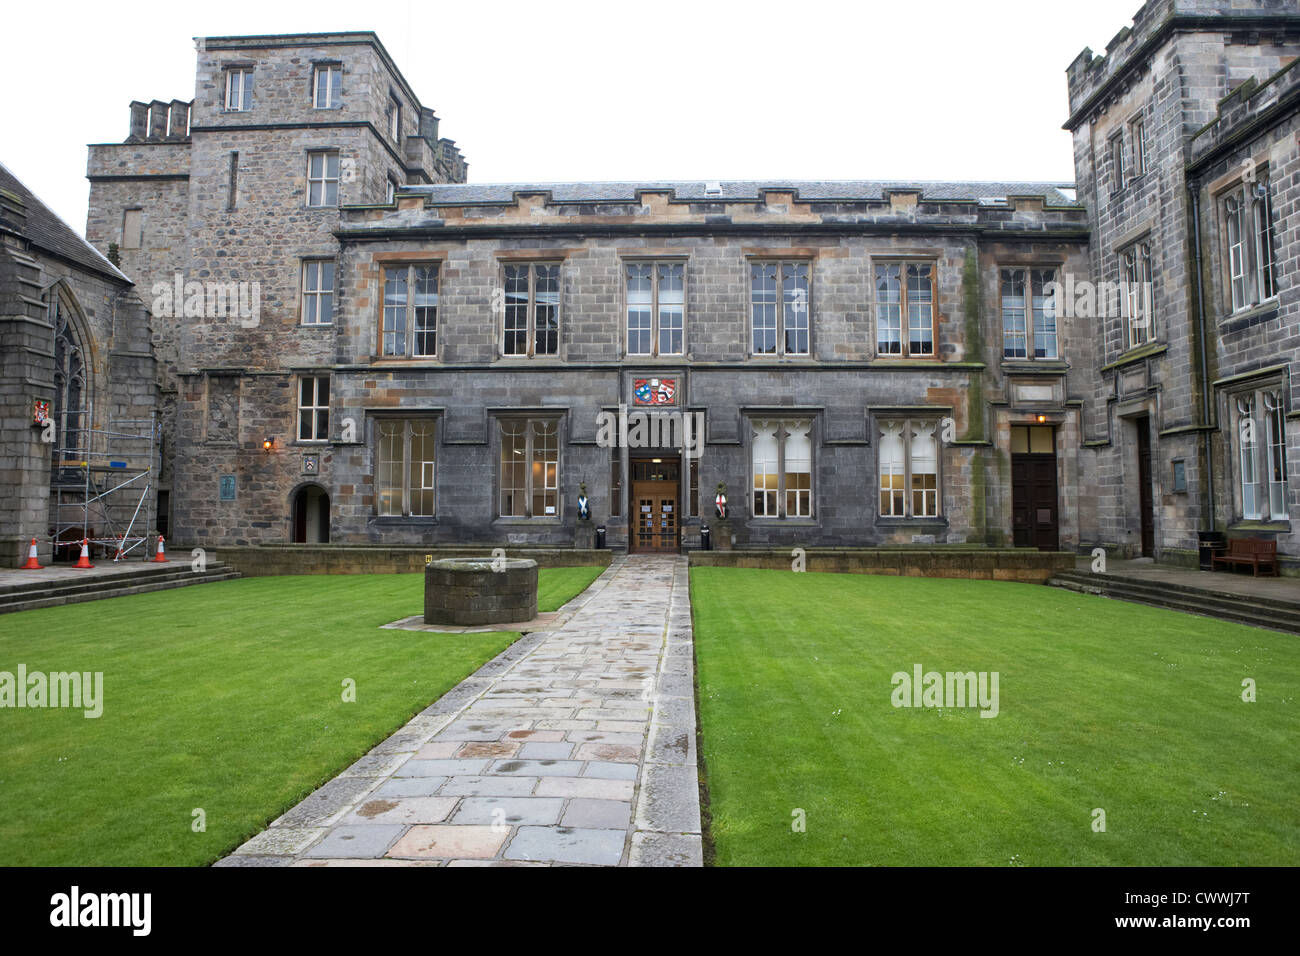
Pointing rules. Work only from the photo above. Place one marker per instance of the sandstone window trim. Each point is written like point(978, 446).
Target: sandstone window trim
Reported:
point(318, 278)
point(906, 299)
point(327, 86)
point(313, 408)
point(1259, 452)
point(1249, 243)
point(780, 307)
point(528, 467)
point(239, 89)
point(1029, 319)
point(655, 293)
point(322, 178)
point(530, 314)
point(408, 309)
point(1138, 309)
point(782, 458)
point(405, 467)
point(908, 466)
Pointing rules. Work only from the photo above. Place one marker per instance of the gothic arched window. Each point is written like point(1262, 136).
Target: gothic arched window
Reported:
point(70, 391)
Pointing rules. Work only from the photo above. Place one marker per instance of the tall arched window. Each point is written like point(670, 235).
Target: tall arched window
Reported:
point(70, 389)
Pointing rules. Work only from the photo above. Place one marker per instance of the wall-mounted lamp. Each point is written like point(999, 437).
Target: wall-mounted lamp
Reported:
point(1042, 419)
point(268, 443)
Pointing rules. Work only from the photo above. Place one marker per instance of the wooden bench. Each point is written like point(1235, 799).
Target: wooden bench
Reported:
point(1250, 551)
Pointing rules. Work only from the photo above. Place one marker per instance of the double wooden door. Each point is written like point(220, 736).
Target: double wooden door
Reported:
point(655, 488)
point(1033, 502)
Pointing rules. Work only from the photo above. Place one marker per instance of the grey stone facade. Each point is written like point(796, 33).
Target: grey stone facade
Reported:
point(51, 279)
point(1212, 84)
point(224, 197)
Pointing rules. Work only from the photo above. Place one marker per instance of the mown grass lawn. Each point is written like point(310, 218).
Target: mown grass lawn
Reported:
point(224, 697)
point(1103, 705)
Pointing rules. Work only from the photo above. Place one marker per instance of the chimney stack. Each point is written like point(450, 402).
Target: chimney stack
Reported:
point(139, 122)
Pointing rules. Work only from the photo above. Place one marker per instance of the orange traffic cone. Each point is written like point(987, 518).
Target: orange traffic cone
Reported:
point(32, 564)
point(84, 560)
point(161, 556)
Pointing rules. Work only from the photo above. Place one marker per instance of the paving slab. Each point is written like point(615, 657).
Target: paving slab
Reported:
point(574, 746)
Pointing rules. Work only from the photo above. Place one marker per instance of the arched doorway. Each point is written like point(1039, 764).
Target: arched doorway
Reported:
point(311, 515)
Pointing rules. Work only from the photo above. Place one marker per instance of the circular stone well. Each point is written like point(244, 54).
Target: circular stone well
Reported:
point(476, 591)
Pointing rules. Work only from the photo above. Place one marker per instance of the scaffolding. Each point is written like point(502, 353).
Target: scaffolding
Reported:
point(95, 477)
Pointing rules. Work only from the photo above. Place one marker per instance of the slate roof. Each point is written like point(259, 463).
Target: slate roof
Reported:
point(47, 232)
point(695, 190)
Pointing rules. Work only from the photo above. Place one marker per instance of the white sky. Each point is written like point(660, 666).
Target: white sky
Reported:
point(566, 90)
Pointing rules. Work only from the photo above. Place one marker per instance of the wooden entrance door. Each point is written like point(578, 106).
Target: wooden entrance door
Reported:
point(654, 489)
point(1145, 504)
point(1034, 519)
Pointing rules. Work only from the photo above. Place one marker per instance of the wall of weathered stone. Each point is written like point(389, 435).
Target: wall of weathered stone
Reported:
point(1170, 69)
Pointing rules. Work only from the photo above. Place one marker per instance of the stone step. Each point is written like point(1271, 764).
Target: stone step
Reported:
point(1196, 590)
point(1275, 615)
point(141, 571)
point(112, 587)
point(95, 581)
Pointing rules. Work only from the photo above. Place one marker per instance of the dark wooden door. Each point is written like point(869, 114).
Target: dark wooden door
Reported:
point(1033, 502)
point(655, 523)
point(1145, 504)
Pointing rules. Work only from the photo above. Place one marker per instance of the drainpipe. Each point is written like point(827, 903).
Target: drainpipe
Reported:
point(1207, 404)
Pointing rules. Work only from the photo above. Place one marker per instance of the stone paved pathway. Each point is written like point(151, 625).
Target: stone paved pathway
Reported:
point(574, 746)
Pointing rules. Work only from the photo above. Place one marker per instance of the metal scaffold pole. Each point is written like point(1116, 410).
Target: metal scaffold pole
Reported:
point(101, 480)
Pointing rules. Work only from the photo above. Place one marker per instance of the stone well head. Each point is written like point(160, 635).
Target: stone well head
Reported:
point(477, 591)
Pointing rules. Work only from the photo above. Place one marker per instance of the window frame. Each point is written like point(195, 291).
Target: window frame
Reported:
point(408, 424)
point(1263, 458)
point(655, 263)
point(245, 89)
point(528, 492)
point(1137, 273)
point(318, 293)
point(781, 307)
point(904, 308)
point(325, 179)
point(333, 86)
point(409, 332)
point(1249, 270)
point(315, 408)
point(784, 428)
point(393, 117)
point(530, 309)
point(907, 424)
point(1029, 330)
point(1137, 128)
point(1115, 149)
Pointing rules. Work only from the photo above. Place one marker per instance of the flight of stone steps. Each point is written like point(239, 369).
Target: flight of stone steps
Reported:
point(1276, 614)
point(149, 577)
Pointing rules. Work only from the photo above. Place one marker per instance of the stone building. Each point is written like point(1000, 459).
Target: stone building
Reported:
point(77, 388)
point(1185, 142)
point(215, 203)
point(413, 359)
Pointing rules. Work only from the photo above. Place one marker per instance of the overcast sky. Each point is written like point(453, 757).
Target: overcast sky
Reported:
point(568, 90)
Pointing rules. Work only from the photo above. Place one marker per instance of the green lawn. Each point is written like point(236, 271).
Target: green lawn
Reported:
point(226, 697)
point(1103, 704)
